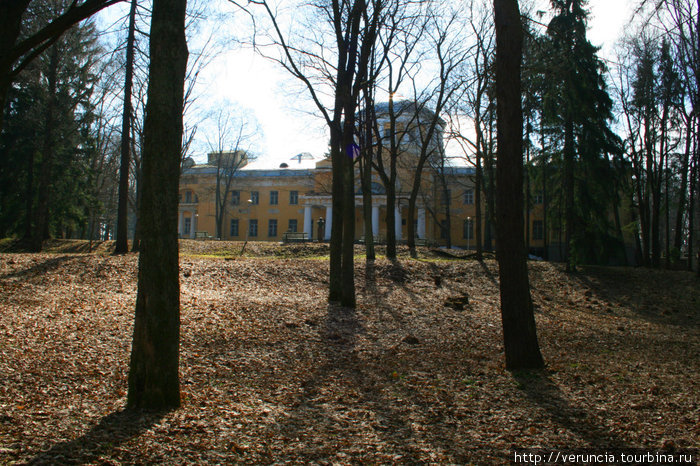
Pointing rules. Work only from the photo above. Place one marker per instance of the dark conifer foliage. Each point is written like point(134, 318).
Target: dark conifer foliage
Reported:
point(48, 144)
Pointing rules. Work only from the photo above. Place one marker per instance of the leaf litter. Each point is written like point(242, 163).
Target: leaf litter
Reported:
point(271, 373)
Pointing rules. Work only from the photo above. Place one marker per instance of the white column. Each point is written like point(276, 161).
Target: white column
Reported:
point(181, 223)
point(375, 220)
point(397, 225)
point(193, 219)
point(329, 221)
point(307, 221)
point(421, 223)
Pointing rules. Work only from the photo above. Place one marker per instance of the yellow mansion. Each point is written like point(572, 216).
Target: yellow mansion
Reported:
point(265, 200)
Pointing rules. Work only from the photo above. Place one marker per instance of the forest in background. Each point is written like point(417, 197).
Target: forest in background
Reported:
point(610, 146)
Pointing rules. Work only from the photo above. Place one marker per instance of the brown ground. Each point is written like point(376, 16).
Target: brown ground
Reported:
point(272, 373)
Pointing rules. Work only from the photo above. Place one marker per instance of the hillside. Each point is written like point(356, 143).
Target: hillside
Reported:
point(272, 373)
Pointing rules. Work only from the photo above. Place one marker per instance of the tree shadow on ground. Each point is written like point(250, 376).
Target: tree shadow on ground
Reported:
point(101, 440)
point(543, 392)
point(38, 267)
point(488, 273)
point(652, 302)
point(354, 405)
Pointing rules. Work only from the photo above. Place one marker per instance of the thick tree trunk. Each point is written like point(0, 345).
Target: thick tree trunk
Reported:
point(153, 375)
point(519, 331)
point(136, 244)
point(348, 247)
point(122, 246)
point(335, 291)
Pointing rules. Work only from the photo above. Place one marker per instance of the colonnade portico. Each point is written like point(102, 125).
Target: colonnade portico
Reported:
point(181, 222)
point(311, 202)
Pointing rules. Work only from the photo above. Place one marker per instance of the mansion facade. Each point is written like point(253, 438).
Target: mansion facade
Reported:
point(265, 201)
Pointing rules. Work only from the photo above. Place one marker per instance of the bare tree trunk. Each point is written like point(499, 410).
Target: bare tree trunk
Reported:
point(519, 331)
point(366, 174)
point(694, 190)
point(391, 220)
point(685, 169)
point(122, 246)
point(527, 186)
point(545, 198)
point(478, 211)
point(335, 288)
point(490, 194)
point(153, 375)
point(136, 244)
point(348, 200)
point(569, 190)
point(42, 210)
point(29, 193)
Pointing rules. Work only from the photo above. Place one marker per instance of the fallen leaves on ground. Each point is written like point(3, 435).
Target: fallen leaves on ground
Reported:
point(272, 373)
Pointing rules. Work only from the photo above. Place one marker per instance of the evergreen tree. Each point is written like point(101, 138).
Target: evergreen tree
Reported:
point(577, 105)
point(48, 136)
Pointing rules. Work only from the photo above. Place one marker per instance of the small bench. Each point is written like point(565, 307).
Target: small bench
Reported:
point(201, 235)
point(421, 242)
point(376, 239)
point(295, 237)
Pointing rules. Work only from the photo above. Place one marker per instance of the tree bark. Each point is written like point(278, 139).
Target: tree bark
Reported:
point(685, 169)
point(478, 183)
point(519, 332)
point(122, 246)
point(569, 190)
point(366, 174)
point(41, 220)
point(153, 375)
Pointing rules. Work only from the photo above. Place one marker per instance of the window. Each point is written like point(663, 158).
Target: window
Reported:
point(274, 196)
point(234, 227)
point(537, 230)
point(188, 196)
point(293, 197)
point(445, 197)
point(253, 228)
point(443, 229)
point(468, 229)
point(188, 226)
point(272, 227)
point(292, 225)
point(235, 198)
point(254, 197)
point(469, 196)
point(539, 198)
